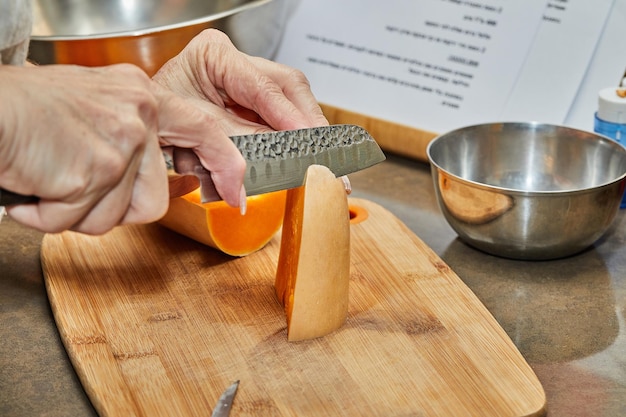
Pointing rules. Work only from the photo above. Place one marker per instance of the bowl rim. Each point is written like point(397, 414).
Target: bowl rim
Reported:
point(517, 191)
point(250, 4)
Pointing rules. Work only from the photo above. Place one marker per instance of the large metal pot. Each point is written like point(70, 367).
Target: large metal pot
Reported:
point(147, 33)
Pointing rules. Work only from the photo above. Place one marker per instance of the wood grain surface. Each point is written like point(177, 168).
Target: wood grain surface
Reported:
point(158, 325)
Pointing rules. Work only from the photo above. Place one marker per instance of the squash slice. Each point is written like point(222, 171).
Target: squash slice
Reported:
point(222, 227)
point(313, 272)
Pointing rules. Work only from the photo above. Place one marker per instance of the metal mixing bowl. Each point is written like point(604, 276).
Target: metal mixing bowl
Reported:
point(527, 190)
point(147, 33)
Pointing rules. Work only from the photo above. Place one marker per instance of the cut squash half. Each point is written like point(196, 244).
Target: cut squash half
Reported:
point(222, 227)
point(313, 273)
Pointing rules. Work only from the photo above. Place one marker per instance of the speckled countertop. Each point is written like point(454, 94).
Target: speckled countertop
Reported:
point(567, 317)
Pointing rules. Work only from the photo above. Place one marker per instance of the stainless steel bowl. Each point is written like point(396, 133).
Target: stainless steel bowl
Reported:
point(527, 190)
point(147, 33)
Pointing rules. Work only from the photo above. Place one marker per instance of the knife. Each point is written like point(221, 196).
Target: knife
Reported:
point(275, 160)
point(225, 402)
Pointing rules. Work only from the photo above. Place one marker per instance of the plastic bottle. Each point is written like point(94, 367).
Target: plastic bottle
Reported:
point(610, 119)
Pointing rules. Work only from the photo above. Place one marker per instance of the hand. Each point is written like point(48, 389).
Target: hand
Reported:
point(184, 123)
point(240, 95)
point(244, 94)
point(86, 141)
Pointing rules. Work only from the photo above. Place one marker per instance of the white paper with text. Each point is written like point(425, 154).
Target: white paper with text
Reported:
point(431, 64)
point(557, 62)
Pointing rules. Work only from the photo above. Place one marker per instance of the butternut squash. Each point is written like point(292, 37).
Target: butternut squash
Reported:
point(313, 273)
point(222, 227)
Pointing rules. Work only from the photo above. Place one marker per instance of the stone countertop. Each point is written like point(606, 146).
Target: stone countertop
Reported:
point(567, 317)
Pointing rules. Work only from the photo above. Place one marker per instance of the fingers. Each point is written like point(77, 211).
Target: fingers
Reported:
point(150, 197)
point(279, 95)
point(136, 192)
point(296, 88)
point(141, 193)
point(184, 123)
point(93, 156)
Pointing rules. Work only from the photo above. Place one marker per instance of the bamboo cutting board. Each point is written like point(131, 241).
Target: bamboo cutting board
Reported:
point(158, 325)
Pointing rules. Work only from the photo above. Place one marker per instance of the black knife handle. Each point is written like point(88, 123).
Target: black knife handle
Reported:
point(9, 198)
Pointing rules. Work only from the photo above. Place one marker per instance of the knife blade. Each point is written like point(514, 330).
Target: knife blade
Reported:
point(275, 160)
point(225, 402)
point(279, 160)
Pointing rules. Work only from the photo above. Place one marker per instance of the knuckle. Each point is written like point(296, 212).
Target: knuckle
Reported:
point(75, 186)
point(208, 38)
point(146, 105)
point(267, 86)
point(297, 77)
point(107, 169)
point(131, 134)
point(129, 70)
point(214, 35)
point(114, 166)
point(207, 121)
point(134, 85)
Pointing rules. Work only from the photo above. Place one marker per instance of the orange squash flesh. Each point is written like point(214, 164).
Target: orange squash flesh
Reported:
point(313, 273)
point(222, 227)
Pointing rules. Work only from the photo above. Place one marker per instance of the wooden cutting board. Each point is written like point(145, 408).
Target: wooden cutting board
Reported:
point(158, 325)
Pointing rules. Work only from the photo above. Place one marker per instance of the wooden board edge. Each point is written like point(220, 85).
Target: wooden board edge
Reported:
point(97, 346)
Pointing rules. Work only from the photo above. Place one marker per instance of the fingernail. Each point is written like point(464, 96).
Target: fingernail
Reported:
point(243, 202)
point(346, 184)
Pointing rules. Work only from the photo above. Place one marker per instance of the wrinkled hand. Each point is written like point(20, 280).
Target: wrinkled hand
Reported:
point(240, 94)
point(86, 141)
